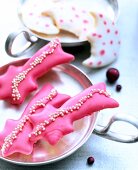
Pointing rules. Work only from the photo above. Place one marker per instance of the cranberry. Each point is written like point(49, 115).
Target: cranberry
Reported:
point(90, 160)
point(118, 87)
point(112, 75)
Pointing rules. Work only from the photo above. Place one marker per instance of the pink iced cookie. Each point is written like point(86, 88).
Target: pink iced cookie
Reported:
point(19, 81)
point(105, 42)
point(14, 137)
point(16, 140)
point(47, 94)
point(52, 124)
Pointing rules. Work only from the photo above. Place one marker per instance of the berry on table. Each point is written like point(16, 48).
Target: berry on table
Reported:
point(112, 75)
point(90, 160)
point(118, 87)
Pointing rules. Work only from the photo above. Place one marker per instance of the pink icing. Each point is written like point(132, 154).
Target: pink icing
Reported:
point(116, 32)
point(102, 52)
point(105, 23)
point(99, 36)
point(108, 31)
point(99, 63)
point(94, 34)
point(85, 21)
point(61, 20)
point(76, 15)
point(73, 8)
point(60, 122)
point(47, 25)
point(111, 42)
point(101, 15)
point(10, 125)
point(40, 63)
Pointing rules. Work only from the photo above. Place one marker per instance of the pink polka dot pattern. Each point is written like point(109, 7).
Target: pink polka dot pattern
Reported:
point(85, 29)
point(116, 32)
point(94, 34)
point(73, 8)
point(111, 42)
point(97, 29)
point(61, 20)
point(99, 63)
point(47, 25)
point(108, 30)
point(72, 19)
point(76, 15)
point(31, 13)
point(36, 20)
point(100, 15)
point(99, 36)
point(102, 52)
point(101, 32)
point(85, 21)
point(105, 43)
point(105, 23)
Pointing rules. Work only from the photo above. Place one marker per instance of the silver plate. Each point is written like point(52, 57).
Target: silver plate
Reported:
point(66, 79)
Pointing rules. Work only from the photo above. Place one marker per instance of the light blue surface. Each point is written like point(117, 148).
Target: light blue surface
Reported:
point(108, 155)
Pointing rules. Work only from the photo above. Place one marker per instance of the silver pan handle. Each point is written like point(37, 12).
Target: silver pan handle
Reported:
point(31, 41)
point(119, 137)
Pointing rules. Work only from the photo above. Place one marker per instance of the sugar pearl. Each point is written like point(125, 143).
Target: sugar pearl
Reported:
point(8, 141)
point(63, 112)
point(21, 76)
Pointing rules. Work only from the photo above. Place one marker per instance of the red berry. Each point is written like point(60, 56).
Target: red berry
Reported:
point(112, 75)
point(118, 87)
point(90, 160)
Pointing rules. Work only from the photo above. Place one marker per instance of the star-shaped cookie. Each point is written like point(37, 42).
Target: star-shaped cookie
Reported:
point(18, 81)
point(52, 123)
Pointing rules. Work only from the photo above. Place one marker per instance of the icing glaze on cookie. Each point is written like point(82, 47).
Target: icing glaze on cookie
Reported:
point(16, 131)
point(72, 19)
point(105, 42)
point(100, 31)
point(87, 25)
point(30, 14)
point(52, 124)
point(19, 81)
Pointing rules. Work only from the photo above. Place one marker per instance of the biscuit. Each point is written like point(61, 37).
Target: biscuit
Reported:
point(14, 137)
point(18, 81)
point(52, 123)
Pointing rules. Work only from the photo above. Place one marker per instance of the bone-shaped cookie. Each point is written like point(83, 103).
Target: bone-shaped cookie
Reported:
point(52, 124)
point(19, 81)
point(14, 137)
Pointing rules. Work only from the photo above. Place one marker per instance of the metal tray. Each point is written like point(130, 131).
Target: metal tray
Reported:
point(66, 79)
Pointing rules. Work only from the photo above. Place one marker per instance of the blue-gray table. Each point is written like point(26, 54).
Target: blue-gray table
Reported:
point(109, 155)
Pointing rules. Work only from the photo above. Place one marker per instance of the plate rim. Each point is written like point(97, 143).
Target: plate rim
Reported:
point(93, 120)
